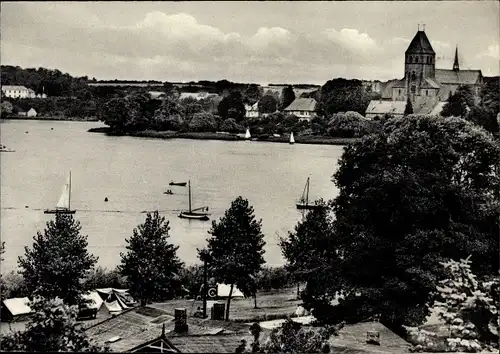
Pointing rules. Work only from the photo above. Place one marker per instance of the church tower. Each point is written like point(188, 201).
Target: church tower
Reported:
point(420, 61)
point(456, 67)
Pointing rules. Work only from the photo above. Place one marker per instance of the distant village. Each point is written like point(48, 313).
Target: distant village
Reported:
point(424, 85)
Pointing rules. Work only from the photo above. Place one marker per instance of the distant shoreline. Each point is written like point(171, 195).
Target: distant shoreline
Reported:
point(52, 118)
point(312, 140)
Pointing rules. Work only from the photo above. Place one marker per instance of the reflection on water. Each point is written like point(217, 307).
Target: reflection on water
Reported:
point(133, 173)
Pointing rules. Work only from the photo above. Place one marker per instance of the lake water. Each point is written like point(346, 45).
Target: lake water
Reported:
point(134, 172)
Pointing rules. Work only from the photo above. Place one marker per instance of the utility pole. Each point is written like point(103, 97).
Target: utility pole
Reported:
point(205, 288)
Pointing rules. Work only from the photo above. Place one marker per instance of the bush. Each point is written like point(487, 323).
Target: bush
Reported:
point(230, 125)
point(203, 122)
point(348, 125)
point(104, 278)
point(274, 278)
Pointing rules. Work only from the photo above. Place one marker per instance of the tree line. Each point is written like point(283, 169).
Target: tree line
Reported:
point(415, 225)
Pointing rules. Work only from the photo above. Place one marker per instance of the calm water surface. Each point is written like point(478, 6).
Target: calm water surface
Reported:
point(134, 172)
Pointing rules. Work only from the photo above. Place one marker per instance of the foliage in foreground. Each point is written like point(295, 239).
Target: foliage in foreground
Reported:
point(469, 308)
point(291, 337)
point(422, 190)
point(151, 265)
point(234, 250)
point(313, 233)
point(51, 328)
point(58, 262)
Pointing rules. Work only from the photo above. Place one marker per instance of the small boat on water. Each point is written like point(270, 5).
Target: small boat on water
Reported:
point(64, 204)
point(168, 192)
point(197, 214)
point(247, 134)
point(180, 184)
point(303, 202)
point(292, 140)
point(4, 148)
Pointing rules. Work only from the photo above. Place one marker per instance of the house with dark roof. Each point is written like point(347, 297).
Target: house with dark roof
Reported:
point(303, 108)
point(149, 329)
point(423, 84)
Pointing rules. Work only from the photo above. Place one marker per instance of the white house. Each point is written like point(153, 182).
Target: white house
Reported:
point(304, 108)
point(31, 113)
point(15, 91)
point(252, 111)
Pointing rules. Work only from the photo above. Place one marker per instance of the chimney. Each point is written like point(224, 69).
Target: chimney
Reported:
point(373, 337)
point(180, 320)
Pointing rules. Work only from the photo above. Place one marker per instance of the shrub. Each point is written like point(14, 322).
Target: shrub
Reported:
point(348, 125)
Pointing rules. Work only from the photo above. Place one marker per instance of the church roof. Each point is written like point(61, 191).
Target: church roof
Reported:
point(429, 83)
point(382, 107)
point(461, 77)
point(420, 44)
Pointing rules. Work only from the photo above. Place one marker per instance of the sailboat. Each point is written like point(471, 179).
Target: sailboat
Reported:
point(247, 134)
point(198, 213)
point(292, 140)
point(303, 202)
point(64, 204)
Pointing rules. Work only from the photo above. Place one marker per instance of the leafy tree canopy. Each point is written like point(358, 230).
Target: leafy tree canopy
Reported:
point(287, 96)
point(341, 95)
point(233, 100)
point(268, 104)
point(422, 190)
point(58, 262)
point(151, 264)
point(459, 103)
point(235, 248)
point(51, 328)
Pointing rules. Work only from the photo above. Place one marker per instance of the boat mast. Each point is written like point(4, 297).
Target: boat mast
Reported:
point(189, 195)
point(307, 195)
point(69, 194)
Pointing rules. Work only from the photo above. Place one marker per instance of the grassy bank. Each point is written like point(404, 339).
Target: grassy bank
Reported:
point(320, 140)
point(271, 305)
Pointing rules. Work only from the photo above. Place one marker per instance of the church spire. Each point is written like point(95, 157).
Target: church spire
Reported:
point(456, 67)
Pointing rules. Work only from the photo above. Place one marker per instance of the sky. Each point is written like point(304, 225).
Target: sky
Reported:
point(260, 42)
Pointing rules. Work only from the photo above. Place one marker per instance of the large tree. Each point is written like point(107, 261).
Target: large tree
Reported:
point(235, 248)
point(314, 234)
point(233, 100)
point(151, 265)
point(341, 95)
point(484, 118)
point(287, 96)
point(408, 107)
point(58, 262)
point(422, 190)
point(458, 103)
point(268, 104)
point(51, 328)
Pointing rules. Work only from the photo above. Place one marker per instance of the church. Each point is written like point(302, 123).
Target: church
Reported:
point(427, 88)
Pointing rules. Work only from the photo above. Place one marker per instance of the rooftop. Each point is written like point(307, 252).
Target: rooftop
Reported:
point(139, 325)
point(302, 104)
point(13, 87)
point(420, 44)
point(382, 107)
point(460, 77)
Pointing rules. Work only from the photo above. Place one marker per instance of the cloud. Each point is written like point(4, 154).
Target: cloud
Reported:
point(493, 51)
point(352, 39)
point(177, 46)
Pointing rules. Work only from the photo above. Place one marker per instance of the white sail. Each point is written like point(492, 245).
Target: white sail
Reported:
point(292, 140)
point(247, 134)
point(63, 202)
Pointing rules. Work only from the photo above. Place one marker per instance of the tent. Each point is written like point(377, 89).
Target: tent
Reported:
point(223, 291)
point(92, 307)
point(116, 300)
point(16, 309)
